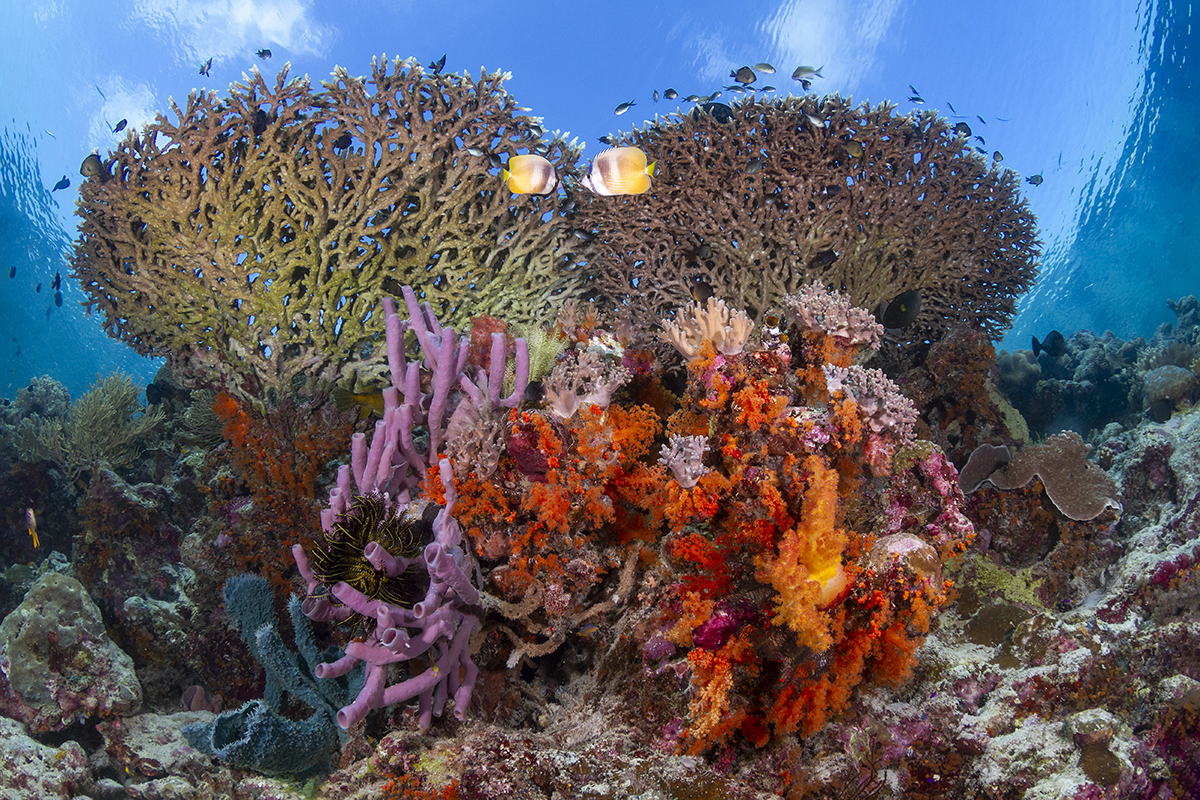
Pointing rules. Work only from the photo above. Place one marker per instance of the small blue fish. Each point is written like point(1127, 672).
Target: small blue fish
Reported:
point(805, 72)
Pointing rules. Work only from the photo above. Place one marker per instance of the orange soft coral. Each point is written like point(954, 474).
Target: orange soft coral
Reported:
point(756, 407)
point(712, 680)
point(807, 572)
point(701, 502)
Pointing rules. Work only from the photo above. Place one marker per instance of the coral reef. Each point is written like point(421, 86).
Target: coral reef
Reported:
point(253, 236)
point(101, 428)
point(1098, 380)
point(747, 570)
point(955, 389)
point(58, 667)
point(753, 574)
point(268, 477)
point(757, 201)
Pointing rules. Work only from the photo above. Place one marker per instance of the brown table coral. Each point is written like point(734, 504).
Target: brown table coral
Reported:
point(756, 200)
point(257, 233)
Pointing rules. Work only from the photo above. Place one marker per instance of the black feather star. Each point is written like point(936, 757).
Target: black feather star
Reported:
point(338, 556)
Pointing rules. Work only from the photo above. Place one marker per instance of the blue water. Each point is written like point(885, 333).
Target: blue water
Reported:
point(40, 337)
point(1136, 241)
point(1101, 98)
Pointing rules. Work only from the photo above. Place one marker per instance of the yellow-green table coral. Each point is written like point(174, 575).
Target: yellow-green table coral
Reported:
point(255, 235)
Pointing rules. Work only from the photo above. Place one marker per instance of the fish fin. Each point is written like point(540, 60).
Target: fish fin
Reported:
point(650, 169)
point(343, 398)
point(504, 175)
point(1037, 347)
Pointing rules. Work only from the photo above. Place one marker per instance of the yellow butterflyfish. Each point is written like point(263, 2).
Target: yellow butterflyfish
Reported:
point(620, 170)
point(529, 174)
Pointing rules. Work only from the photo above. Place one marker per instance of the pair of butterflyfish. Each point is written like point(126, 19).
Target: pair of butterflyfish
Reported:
point(618, 170)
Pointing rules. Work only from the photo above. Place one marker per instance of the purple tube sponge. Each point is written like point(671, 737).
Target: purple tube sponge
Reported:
point(390, 558)
point(439, 624)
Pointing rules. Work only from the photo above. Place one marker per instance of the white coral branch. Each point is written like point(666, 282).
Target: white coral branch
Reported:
point(684, 455)
point(727, 330)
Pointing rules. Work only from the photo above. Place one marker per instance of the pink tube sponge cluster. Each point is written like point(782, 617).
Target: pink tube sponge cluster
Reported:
point(386, 472)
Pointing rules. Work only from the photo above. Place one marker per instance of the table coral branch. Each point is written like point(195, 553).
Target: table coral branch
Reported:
point(253, 235)
point(759, 200)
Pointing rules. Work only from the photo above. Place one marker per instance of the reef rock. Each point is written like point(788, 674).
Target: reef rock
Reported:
point(33, 771)
point(152, 751)
point(57, 664)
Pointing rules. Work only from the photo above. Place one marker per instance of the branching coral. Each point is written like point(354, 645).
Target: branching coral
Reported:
point(584, 378)
point(878, 399)
point(103, 427)
point(805, 189)
point(256, 234)
point(715, 322)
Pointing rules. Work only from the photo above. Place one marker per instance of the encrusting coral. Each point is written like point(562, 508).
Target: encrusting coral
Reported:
point(757, 201)
point(1078, 488)
point(256, 235)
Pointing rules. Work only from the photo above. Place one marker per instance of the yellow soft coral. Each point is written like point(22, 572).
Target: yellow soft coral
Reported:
point(807, 573)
